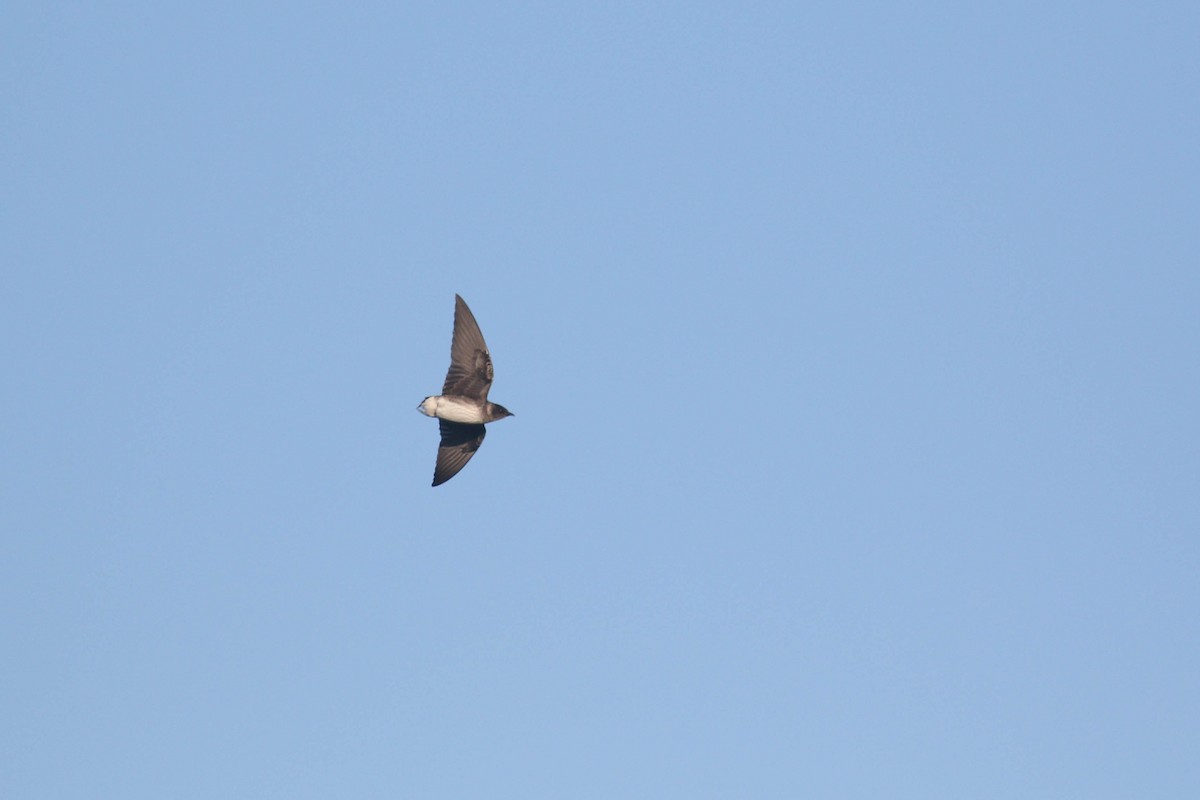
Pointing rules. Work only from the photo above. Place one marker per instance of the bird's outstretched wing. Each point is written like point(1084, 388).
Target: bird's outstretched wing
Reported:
point(459, 443)
point(470, 372)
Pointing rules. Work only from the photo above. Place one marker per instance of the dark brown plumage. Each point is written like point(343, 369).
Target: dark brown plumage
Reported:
point(463, 407)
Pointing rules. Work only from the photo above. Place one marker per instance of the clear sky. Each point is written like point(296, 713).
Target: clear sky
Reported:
point(855, 357)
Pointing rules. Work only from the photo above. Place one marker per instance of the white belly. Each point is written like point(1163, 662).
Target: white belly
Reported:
point(452, 409)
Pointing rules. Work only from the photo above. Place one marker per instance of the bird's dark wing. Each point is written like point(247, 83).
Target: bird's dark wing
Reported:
point(459, 443)
point(470, 372)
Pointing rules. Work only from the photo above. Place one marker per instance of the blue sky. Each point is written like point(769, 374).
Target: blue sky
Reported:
point(854, 356)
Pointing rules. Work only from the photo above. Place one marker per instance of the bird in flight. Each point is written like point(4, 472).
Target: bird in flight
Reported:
point(462, 408)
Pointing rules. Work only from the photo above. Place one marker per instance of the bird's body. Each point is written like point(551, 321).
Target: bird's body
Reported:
point(456, 408)
point(462, 408)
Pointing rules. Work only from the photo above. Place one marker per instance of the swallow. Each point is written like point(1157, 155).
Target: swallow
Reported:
point(462, 408)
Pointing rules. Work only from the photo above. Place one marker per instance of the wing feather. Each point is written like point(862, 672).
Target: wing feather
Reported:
point(470, 371)
point(459, 443)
